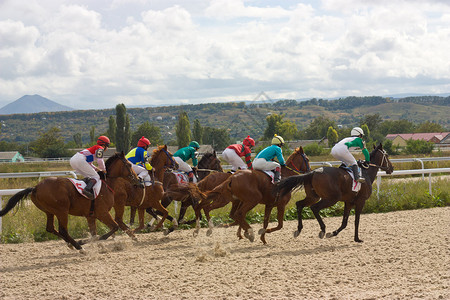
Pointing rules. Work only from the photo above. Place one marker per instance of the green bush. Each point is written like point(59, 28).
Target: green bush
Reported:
point(419, 147)
point(314, 149)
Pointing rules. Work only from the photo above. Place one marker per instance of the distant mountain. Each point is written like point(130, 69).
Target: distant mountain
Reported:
point(32, 104)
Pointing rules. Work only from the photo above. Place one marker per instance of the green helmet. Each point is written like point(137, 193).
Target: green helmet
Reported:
point(277, 140)
point(194, 144)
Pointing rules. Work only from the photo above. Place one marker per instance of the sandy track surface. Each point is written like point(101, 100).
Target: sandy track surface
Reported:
point(405, 255)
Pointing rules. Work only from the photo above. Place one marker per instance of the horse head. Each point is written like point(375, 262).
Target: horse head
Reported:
point(210, 161)
point(299, 161)
point(118, 166)
point(163, 159)
point(380, 159)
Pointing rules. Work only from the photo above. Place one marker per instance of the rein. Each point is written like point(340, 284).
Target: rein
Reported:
point(382, 161)
point(170, 157)
point(297, 171)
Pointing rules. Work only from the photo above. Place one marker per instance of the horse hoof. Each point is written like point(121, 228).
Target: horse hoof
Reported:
point(261, 231)
point(321, 234)
point(250, 236)
point(329, 235)
point(209, 232)
point(296, 233)
point(134, 239)
point(82, 251)
point(358, 241)
point(166, 231)
point(195, 233)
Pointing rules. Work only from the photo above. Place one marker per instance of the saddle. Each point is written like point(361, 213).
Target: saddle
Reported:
point(80, 184)
point(268, 173)
point(356, 186)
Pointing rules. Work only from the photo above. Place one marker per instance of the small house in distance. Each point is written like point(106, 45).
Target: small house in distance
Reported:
point(11, 156)
point(399, 139)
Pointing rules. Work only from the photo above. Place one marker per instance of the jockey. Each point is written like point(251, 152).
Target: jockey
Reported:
point(139, 159)
point(83, 163)
point(340, 151)
point(264, 159)
point(233, 153)
point(183, 154)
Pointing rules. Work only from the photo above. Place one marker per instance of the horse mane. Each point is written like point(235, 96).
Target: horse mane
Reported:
point(112, 159)
point(374, 151)
point(296, 151)
point(207, 155)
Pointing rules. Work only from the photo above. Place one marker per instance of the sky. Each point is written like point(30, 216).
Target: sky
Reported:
point(94, 54)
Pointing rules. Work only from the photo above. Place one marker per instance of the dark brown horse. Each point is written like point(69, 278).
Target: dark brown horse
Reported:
point(330, 185)
point(58, 197)
point(208, 164)
point(150, 197)
point(247, 188)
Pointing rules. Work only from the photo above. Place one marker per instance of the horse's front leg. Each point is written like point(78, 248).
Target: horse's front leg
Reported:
point(316, 208)
point(347, 209)
point(300, 205)
point(358, 208)
point(262, 231)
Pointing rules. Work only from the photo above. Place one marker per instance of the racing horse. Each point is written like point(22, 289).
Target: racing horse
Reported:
point(150, 197)
point(57, 196)
point(209, 169)
point(330, 185)
point(247, 188)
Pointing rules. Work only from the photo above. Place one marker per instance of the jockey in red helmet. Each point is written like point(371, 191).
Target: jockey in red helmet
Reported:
point(233, 153)
point(139, 159)
point(83, 163)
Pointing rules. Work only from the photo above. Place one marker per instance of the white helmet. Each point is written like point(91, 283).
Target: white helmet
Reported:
point(356, 131)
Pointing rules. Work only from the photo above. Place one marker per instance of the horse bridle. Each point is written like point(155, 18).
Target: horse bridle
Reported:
point(130, 176)
point(297, 170)
point(169, 156)
point(383, 161)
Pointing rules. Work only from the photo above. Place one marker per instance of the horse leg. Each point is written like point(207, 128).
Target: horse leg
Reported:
point(184, 207)
point(51, 227)
point(106, 218)
point(316, 208)
point(132, 214)
point(92, 230)
point(300, 205)
point(141, 215)
point(218, 202)
point(347, 209)
point(63, 220)
point(358, 208)
point(119, 211)
point(262, 231)
point(240, 218)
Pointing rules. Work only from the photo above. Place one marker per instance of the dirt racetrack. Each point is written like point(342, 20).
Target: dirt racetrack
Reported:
point(405, 255)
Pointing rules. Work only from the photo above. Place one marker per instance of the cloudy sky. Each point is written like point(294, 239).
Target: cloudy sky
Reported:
point(91, 54)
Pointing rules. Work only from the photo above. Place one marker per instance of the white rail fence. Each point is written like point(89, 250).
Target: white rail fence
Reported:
point(9, 192)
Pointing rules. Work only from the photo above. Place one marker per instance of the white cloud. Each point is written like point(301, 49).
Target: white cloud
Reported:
point(92, 54)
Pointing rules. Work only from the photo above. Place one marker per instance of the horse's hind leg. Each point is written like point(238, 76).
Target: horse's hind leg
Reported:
point(300, 205)
point(316, 208)
point(347, 209)
point(358, 208)
point(119, 211)
point(51, 227)
point(63, 220)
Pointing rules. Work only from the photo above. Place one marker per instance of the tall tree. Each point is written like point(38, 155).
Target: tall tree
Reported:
point(150, 131)
point(123, 128)
point(50, 144)
point(111, 133)
point(219, 139)
point(273, 124)
point(127, 133)
point(183, 130)
point(332, 136)
point(197, 133)
point(366, 130)
point(372, 121)
point(318, 128)
point(92, 134)
point(430, 127)
point(78, 140)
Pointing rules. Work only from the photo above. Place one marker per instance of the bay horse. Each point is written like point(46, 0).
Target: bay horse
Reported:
point(330, 185)
point(150, 197)
point(57, 196)
point(208, 168)
point(247, 188)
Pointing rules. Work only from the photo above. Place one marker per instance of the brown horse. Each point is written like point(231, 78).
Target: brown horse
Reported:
point(247, 188)
point(150, 197)
point(58, 197)
point(330, 185)
point(208, 164)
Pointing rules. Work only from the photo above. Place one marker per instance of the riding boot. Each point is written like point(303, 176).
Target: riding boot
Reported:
point(191, 176)
point(88, 191)
point(357, 174)
point(276, 176)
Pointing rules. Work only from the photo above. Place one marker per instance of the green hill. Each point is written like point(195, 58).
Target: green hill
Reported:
point(239, 118)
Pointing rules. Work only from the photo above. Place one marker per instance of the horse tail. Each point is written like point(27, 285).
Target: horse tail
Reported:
point(288, 184)
point(183, 192)
point(12, 202)
point(219, 190)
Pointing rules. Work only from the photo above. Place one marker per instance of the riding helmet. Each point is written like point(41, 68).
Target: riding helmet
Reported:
point(249, 142)
point(277, 140)
point(143, 142)
point(103, 141)
point(356, 131)
point(194, 144)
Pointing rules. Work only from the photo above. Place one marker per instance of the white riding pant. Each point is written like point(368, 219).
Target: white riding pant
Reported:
point(265, 165)
point(78, 163)
point(233, 159)
point(340, 151)
point(142, 173)
point(182, 165)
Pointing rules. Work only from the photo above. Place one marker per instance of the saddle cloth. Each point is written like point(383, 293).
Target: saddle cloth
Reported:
point(80, 185)
point(270, 174)
point(356, 186)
